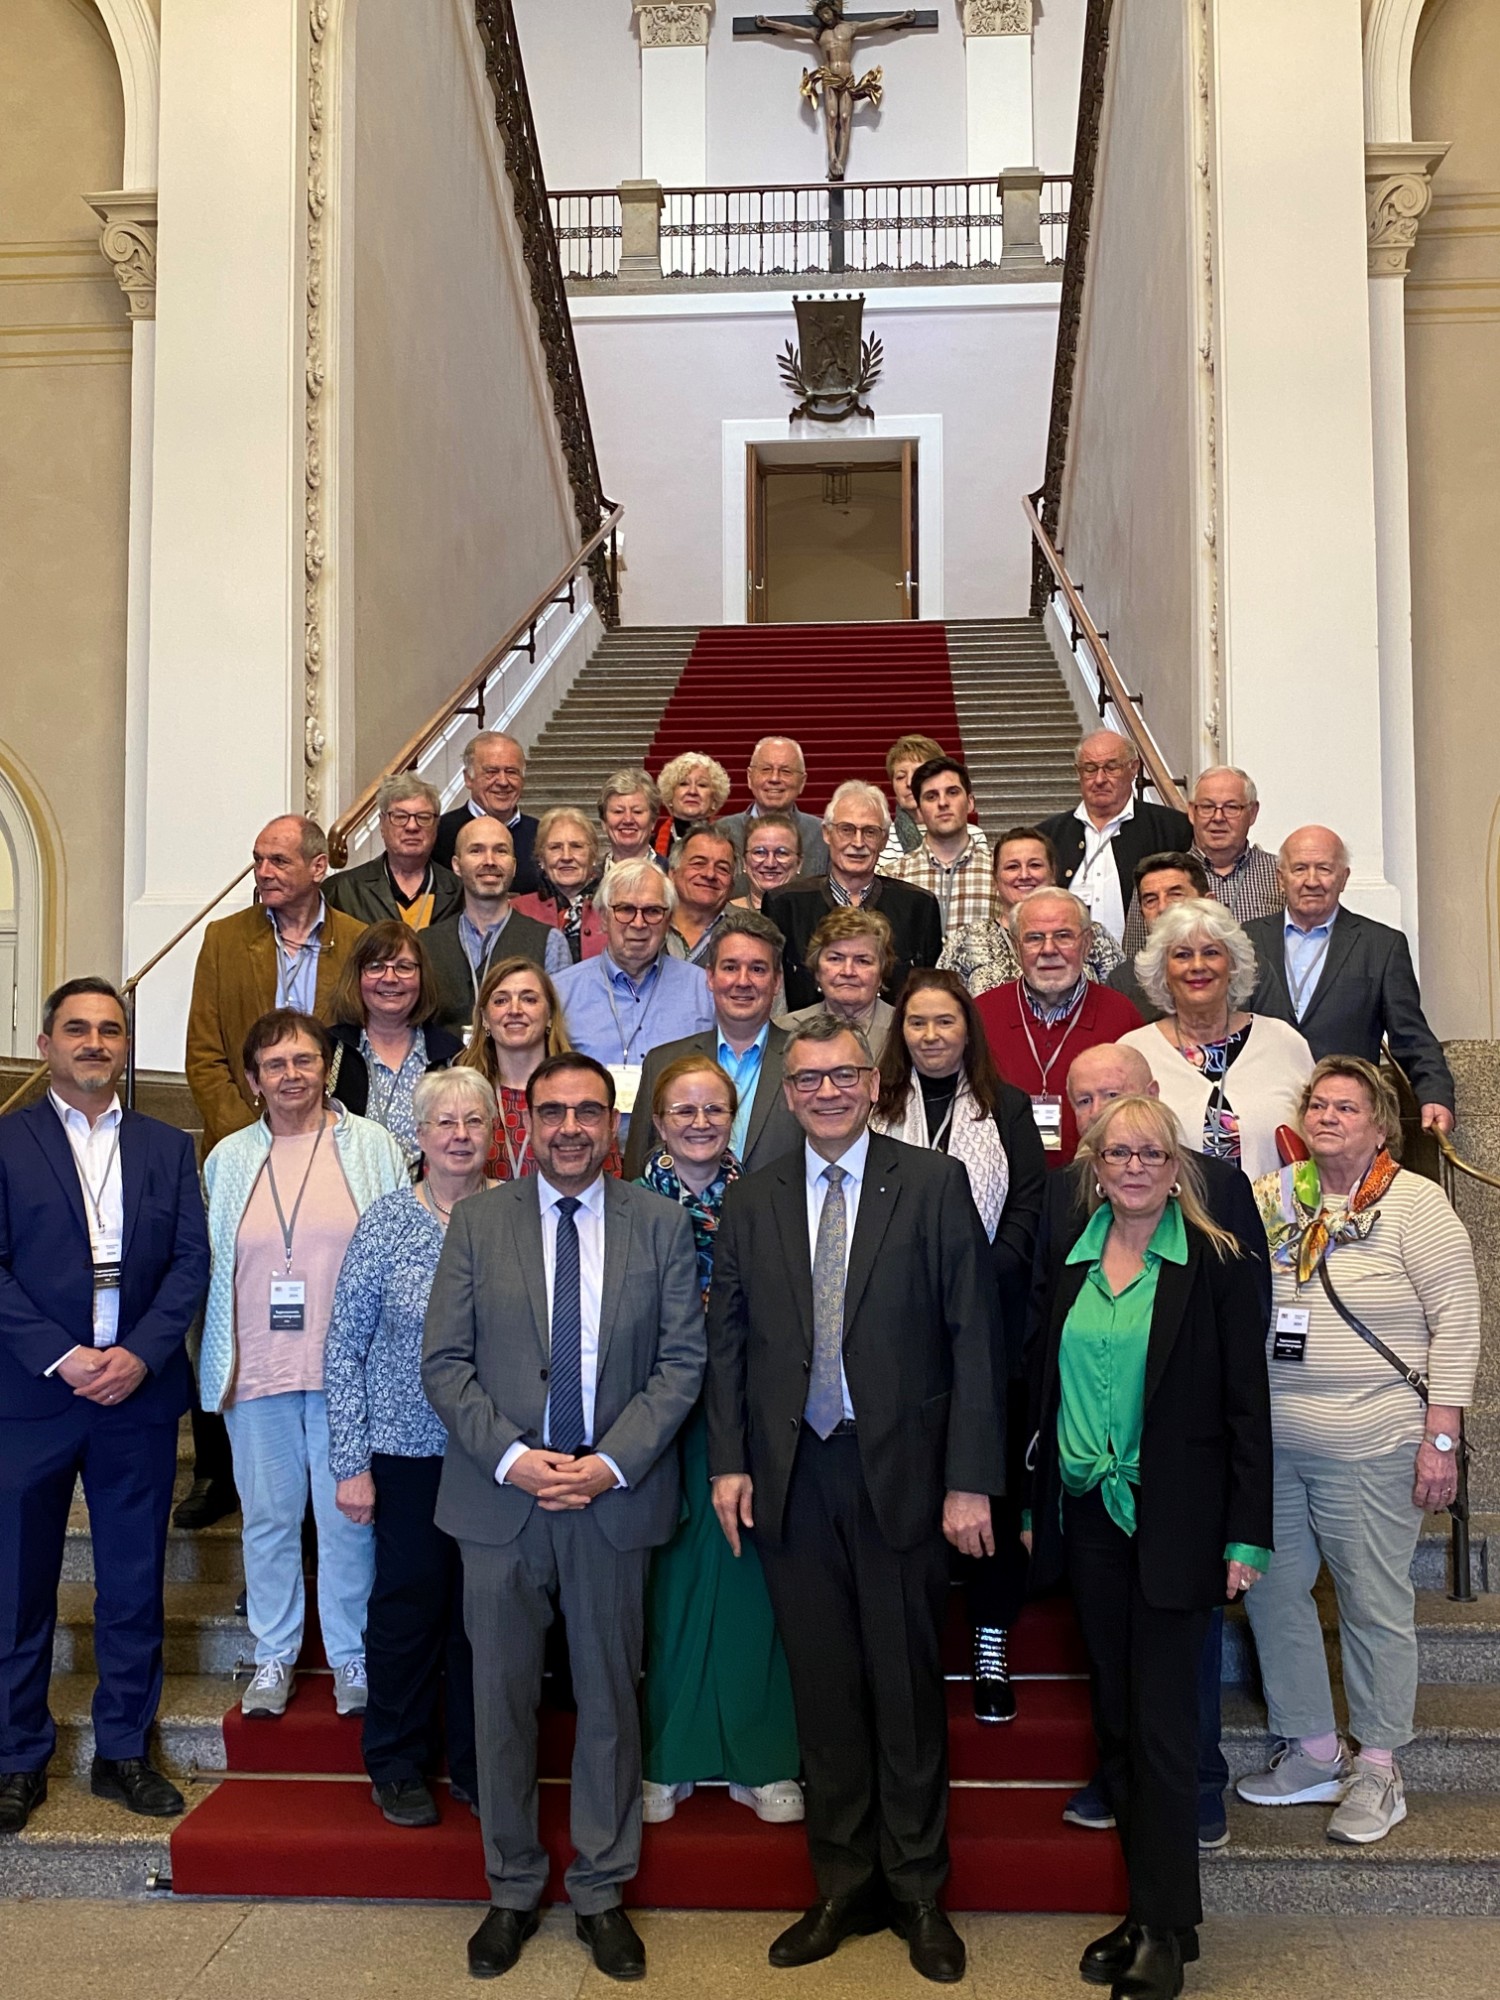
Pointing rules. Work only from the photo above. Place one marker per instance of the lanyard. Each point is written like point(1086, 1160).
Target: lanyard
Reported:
point(1046, 1067)
point(1105, 847)
point(516, 1158)
point(935, 1143)
point(95, 1197)
point(477, 972)
point(1302, 989)
point(640, 1026)
point(289, 1228)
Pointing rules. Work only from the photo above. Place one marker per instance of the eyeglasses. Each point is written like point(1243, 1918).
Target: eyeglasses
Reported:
point(399, 818)
point(1039, 940)
point(276, 1067)
point(1216, 809)
point(1121, 1156)
point(690, 1114)
point(639, 913)
point(402, 967)
point(806, 1082)
point(475, 1122)
point(847, 830)
point(1110, 769)
point(551, 1116)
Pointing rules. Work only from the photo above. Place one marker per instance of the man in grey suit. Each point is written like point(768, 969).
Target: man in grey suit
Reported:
point(564, 1349)
point(744, 975)
point(777, 778)
point(1344, 981)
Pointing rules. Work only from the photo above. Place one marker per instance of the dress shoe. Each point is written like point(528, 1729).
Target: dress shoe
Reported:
point(206, 1501)
point(131, 1782)
point(21, 1792)
point(406, 1802)
point(823, 1929)
point(1108, 1956)
point(1155, 1968)
point(935, 1948)
point(496, 1945)
point(615, 1943)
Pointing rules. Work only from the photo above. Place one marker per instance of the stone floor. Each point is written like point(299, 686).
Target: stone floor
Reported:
point(253, 1951)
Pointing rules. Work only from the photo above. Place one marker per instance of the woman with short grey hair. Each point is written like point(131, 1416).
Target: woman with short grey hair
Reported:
point(568, 851)
point(1198, 966)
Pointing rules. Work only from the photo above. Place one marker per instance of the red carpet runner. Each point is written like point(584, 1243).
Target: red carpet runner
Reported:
point(845, 692)
point(309, 1831)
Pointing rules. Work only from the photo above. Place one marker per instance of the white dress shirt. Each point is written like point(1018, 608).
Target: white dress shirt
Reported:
point(96, 1155)
point(588, 1220)
point(853, 1163)
point(1097, 878)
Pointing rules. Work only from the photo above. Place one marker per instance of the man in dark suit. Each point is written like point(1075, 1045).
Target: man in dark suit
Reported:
point(1343, 980)
point(103, 1265)
point(495, 773)
point(564, 1350)
point(743, 969)
point(1160, 881)
point(855, 827)
point(1099, 842)
point(403, 881)
point(855, 1419)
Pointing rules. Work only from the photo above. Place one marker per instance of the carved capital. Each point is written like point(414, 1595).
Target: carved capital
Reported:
point(997, 17)
point(673, 24)
point(1398, 193)
point(128, 241)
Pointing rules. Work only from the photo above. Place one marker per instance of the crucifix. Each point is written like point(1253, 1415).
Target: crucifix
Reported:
point(833, 33)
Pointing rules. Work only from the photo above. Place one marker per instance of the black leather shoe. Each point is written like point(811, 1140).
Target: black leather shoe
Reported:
point(935, 1948)
point(1155, 1968)
point(994, 1696)
point(1107, 1957)
point(496, 1945)
point(406, 1802)
point(131, 1782)
point(615, 1943)
point(823, 1929)
point(206, 1501)
point(21, 1792)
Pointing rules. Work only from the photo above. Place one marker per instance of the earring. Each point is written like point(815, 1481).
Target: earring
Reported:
point(668, 1163)
point(1176, 1187)
point(1098, 1191)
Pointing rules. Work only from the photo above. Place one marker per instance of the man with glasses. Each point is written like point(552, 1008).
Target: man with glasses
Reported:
point(464, 946)
point(404, 881)
point(632, 997)
point(1223, 809)
point(1039, 1024)
point(777, 778)
point(564, 1350)
point(495, 773)
point(855, 1426)
point(1099, 842)
point(855, 827)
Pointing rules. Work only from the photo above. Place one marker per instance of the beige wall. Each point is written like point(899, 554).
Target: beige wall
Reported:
point(825, 562)
point(459, 513)
point(64, 466)
point(1126, 522)
point(1453, 363)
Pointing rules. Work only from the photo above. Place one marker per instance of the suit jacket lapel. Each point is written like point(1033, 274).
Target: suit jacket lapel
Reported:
point(877, 1204)
point(260, 962)
point(618, 1223)
point(1174, 1282)
point(790, 1204)
point(528, 1224)
point(767, 1086)
point(1070, 849)
point(47, 1128)
point(132, 1173)
point(1341, 941)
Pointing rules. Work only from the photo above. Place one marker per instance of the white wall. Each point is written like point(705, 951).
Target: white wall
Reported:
point(583, 70)
point(1056, 62)
point(662, 375)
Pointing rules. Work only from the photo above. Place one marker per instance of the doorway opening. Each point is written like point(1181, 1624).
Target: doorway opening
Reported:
point(831, 538)
point(20, 925)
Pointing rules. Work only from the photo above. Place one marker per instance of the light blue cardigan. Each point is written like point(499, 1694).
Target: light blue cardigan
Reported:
point(373, 1165)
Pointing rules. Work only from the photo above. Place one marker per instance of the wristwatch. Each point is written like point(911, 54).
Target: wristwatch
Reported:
point(1441, 1442)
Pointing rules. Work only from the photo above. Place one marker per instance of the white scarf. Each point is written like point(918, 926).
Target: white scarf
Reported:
point(973, 1140)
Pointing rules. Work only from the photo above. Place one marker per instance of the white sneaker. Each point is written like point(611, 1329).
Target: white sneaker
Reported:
point(351, 1690)
point(777, 1805)
point(1373, 1804)
point(270, 1690)
point(1295, 1779)
point(659, 1802)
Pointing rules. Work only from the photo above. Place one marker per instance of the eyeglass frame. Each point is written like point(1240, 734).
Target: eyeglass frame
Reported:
point(843, 1076)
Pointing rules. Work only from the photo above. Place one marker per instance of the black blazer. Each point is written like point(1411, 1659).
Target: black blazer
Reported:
point(1206, 1475)
point(46, 1270)
point(1152, 829)
point(915, 919)
point(351, 1083)
point(920, 1335)
point(366, 892)
point(1368, 989)
point(1014, 1248)
point(772, 1130)
point(522, 937)
point(523, 833)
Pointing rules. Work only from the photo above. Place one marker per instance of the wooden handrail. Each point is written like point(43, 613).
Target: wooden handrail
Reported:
point(1152, 763)
point(1459, 1164)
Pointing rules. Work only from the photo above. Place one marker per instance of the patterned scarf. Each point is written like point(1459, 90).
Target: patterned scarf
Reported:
point(1296, 1218)
point(974, 1141)
point(702, 1209)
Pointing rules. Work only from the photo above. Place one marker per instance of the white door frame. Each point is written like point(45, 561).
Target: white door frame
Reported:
point(19, 835)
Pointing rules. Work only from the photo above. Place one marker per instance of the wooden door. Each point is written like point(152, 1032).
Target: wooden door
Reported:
point(755, 538)
point(909, 584)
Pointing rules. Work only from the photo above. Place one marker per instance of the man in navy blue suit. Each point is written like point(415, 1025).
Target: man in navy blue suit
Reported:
point(103, 1265)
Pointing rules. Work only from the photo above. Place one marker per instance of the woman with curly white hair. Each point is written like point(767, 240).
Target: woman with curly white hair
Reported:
point(1231, 1076)
point(693, 788)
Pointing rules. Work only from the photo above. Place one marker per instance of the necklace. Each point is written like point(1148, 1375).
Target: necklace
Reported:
point(434, 1204)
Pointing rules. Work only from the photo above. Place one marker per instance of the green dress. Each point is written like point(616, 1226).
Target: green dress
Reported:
point(718, 1698)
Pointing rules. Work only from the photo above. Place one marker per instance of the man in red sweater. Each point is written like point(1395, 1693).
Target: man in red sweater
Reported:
point(1038, 1024)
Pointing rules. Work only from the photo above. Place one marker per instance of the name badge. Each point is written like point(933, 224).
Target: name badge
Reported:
point(627, 1078)
point(106, 1275)
point(1289, 1337)
point(1047, 1112)
point(288, 1305)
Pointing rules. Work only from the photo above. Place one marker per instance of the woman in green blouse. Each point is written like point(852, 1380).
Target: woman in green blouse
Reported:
point(1151, 1496)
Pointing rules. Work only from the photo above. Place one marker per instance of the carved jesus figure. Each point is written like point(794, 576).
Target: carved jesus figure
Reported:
point(834, 79)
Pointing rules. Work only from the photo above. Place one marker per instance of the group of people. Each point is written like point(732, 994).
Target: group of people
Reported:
point(729, 1234)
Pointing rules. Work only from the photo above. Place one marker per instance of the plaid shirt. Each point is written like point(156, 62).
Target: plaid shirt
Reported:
point(1250, 889)
point(963, 889)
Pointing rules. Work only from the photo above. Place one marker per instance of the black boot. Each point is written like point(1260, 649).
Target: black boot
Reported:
point(1155, 1968)
point(994, 1695)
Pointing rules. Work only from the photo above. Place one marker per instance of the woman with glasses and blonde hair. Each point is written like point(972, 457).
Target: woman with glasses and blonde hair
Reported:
point(385, 1037)
point(717, 1702)
point(1151, 1495)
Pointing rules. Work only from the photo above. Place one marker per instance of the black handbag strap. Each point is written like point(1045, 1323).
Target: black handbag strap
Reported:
point(1414, 1376)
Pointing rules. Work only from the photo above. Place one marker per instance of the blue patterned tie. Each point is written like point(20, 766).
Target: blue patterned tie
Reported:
point(565, 1430)
point(825, 1392)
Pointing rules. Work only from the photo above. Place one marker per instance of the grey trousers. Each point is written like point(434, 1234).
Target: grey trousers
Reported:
point(510, 1595)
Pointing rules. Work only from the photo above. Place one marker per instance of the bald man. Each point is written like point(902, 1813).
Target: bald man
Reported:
point(1099, 842)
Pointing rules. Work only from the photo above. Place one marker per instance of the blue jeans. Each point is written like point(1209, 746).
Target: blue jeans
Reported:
point(280, 1451)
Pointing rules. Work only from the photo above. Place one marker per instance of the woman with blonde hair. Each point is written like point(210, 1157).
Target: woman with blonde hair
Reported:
point(518, 1023)
point(693, 788)
point(1151, 1495)
point(569, 854)
point(629, 805)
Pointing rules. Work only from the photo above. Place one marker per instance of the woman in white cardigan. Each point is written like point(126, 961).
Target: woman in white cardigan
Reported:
point(1230, 1076)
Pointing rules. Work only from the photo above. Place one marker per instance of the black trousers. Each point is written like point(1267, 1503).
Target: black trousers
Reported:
point(416, 1649)
point(995, 1586)
point(861, 1624)
point(212, 1458)
point(1144, 1666)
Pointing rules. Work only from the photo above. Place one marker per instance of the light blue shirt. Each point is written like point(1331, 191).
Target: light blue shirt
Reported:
point(853, 1163)
point(1306, 952)
point(297, 971)
point(617, 1019)
point(744, 1072)
point(482, 947)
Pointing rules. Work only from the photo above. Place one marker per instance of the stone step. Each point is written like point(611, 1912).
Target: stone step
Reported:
point(189, 1736)
point(1443, 1861)
point(77, 1845)
point(1456, 1747)
point(208, 1555)
point(203, 1634)
point(1458, 1644)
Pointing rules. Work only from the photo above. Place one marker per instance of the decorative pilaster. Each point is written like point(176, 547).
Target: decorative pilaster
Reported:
point(997, 65)
point(677, 24)
point(315, 578)
point(997, 17)
point(1398, 193)
point(128, 242)
point(674, 90)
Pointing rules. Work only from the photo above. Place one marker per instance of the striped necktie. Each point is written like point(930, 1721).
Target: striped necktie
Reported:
point(565, 1429)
